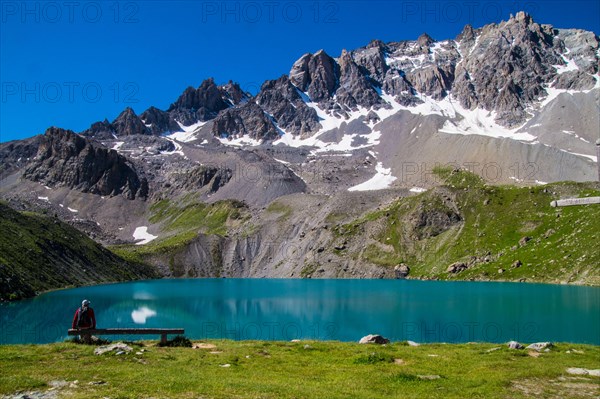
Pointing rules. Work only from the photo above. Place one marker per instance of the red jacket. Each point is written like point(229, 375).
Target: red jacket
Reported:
point(77, 323)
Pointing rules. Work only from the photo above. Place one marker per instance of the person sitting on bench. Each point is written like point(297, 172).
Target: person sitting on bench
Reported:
point(84, 318)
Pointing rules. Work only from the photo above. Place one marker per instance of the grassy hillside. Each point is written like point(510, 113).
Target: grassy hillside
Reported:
point(495, 232)
point(307, 369)
point(39, 253)
point(181, 221)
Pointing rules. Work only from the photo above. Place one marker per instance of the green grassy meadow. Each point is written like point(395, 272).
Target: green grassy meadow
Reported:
point(307, 369)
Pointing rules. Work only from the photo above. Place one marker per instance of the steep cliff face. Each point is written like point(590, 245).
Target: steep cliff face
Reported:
point(316, 74)
point(66, 159)
point(280, 99)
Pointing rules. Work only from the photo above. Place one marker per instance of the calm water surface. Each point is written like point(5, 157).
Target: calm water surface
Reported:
point(346, 310)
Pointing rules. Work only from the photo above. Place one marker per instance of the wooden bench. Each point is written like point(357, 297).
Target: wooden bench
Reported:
point(128, 331)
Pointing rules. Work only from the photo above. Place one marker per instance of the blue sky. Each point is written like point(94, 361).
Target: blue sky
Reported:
point(71, 63)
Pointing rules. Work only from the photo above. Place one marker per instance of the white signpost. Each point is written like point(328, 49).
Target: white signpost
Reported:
point(576, 201)
point(582, 201)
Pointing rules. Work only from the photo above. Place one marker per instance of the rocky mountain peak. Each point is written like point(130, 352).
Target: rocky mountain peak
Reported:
point(522, 16)
point(324, 75)
point(299, 75)
point(376, 43)
point(467, 34)
point(346, 62)
point(316, 74)
point(128, 124)
point(16, 154)
point(425, 40)
point(128, 112)
point(199, 104)
point(234, 93)
point(206, 95)
point(504, 67)
point(509, 68)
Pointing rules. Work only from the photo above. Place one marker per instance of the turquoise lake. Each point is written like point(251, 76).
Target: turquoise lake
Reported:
point(345, 310)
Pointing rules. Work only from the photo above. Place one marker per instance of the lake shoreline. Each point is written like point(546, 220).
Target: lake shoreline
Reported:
point(532, 282)
point(407, 343)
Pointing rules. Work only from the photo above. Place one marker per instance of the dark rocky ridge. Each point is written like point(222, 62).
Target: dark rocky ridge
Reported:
point(67, 159)
point(247, 120)
point(501, 67)
point(193, 105)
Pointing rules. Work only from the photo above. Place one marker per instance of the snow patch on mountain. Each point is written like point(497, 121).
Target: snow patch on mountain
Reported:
point(178, 148)
point(591, 157)
point(118, 145)
point(382, 179)
point(482, 122)
point(141, 233)
point(572, 133)
point(570, 65)
point(188, 133)
point(242, 141)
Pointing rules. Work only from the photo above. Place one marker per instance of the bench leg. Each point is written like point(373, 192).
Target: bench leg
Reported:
point(163, 338)
point(86, 338)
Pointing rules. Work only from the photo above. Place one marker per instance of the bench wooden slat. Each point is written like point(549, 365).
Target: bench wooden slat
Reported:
point(117, 331)
point(133, 331)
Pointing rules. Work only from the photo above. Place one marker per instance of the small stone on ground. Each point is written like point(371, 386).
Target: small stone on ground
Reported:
point(374, 339)
point(203, 345)
point(582, 371)
point(429, 377)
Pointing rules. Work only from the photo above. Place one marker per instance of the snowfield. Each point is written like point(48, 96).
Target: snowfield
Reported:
point(382, 179)
point(141, 233)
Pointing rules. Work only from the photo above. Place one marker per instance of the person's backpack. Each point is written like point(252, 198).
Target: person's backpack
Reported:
point(84, 318)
